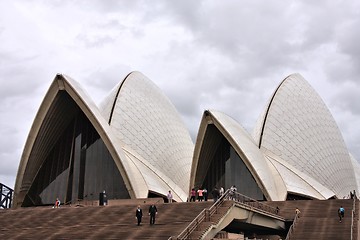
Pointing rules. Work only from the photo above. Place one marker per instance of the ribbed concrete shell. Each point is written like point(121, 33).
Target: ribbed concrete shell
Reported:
point(274, 176)
point(153, 134)
point(298, 183)
point(297, 126)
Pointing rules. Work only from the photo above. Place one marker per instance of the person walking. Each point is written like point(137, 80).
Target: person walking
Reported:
point(200, 194)
point(221, 191)
point(341, 213)
point(215, 193)
point(152, 213)
point(233, 190)
point(57, 203)
point(138, 215)
point(192, 195)
point(170, 197)
point(205, 193)
point(297, 212)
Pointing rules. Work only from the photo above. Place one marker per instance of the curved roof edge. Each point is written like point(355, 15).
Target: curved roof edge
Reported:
point(310, 138)
point(80, 97)
point(246, 148)
point(150, 174)
point(111, 99)
point(260, 124)
point(145, 120)
point(298, 182)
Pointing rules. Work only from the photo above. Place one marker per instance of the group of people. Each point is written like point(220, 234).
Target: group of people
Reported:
point(152, 210)
point(152, 214)
point(202, 194)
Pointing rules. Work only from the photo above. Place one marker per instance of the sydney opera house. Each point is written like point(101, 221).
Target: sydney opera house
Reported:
point(135, 145)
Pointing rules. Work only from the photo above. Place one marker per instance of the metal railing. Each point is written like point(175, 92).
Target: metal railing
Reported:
point(238, 198)
point(292, 227)
point(206, 213)
point(353, 214)
point(6, 196)
point(253, 204)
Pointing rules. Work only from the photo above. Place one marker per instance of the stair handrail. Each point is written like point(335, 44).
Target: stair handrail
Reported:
point(352, 216)
point(292, 227)
point(6, 196)
point(228, 195)
point(213, 208)
point(252, 203)
point(202, 215)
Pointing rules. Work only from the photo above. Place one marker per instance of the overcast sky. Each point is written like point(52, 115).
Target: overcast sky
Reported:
point(222, 55)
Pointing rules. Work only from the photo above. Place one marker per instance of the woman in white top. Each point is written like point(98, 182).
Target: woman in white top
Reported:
point(170, 197)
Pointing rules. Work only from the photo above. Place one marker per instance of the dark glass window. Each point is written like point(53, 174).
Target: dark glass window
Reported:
point(224, 167)
point(79, 166)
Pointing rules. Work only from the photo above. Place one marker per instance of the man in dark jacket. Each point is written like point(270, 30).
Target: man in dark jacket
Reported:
point(215, 193)
point(152, 213)
point(138, 215)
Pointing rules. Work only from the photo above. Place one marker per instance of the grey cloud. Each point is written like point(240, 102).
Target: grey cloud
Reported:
point(247, 36)
point(8, 180)
point(115, 6)
point(7, 144)
point(348, 98)
point(20, 84)
point(109, 31)
point(185, 98)
point(319, 23)
point(231, 59)
point(187, 12)
point(107, 6)
point(101, 81)
point(348, 41)
point(95, 41)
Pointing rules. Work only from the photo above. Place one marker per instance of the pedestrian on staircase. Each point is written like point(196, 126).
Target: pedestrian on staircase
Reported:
point(152, 213)
point(341, 213)
point(200, 194)
point(170, 197)
point(205, 193)
point(192, 195)
point(57, 203)
point(138, 215)
point(233, 190)
point(215, 193)
point(277, 210)
point(297, 212)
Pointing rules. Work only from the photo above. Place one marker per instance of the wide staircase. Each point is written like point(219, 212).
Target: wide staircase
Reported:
point(97, 222)
point(319, 218)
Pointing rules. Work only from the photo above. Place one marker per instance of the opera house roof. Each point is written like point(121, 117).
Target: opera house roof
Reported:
point(296, 149)
point(135, 145)
point(298, 127)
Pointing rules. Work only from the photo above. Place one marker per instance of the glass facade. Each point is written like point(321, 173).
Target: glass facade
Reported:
point(78, 167)
point(226, 168)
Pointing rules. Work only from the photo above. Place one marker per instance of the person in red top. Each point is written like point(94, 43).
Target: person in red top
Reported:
point(57, 203)
point(200, 194)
